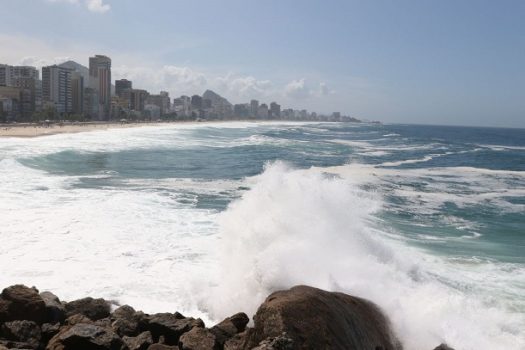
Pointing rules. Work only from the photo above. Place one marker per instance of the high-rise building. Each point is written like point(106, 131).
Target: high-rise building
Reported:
point(262, 112)
point(254, 108)
point(5, 75)
point(138, 99)
point(24, 78)
point(100, 80)
point(196, 102)
point(122, 85)
point(56, 88)
point(77, 93)
point(275, 110)
point(161, 100)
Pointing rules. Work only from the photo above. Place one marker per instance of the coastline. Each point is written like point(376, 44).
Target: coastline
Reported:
point(38, 130)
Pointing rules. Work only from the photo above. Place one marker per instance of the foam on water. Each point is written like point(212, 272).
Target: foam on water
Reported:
point(301, 227)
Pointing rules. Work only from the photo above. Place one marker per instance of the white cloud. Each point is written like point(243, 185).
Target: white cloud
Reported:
point(243, 86)
point(97, 6)
point(297, 89)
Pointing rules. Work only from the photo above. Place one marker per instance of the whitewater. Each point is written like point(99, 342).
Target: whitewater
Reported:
point(207, 219)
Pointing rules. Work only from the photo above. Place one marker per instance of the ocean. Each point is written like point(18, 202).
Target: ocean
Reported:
point(428, 222)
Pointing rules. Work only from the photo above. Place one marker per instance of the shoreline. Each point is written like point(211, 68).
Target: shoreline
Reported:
point(31, 130)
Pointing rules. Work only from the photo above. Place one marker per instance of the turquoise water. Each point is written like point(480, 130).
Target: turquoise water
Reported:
point(427, 221)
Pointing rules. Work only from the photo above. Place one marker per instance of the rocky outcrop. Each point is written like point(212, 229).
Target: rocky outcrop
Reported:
point(315, 319)
point(299, 318)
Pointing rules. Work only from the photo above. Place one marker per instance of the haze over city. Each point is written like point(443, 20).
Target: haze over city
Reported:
point(366, 59)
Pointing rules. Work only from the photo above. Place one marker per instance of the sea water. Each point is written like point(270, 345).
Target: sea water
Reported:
point(428, 222)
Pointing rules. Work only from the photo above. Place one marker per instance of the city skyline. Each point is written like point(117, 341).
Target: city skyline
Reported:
point(364, 59)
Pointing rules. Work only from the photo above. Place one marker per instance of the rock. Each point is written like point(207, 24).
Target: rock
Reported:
point(55, 310)
point(77, 318)
point(162, 347)
point(19, 302)
point(281, 342)
point(85, 337)
point(22, 331)
point(10, 344)
point(140, 342)
point(443, 347)
point(127, 322)
point(48, 331)
point(198, 339)
point(103, 322)
point(230, 327)
point(95, 309)
point(236, 342)
point(317, 319)
point(169, 326)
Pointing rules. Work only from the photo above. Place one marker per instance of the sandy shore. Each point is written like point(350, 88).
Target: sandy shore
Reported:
point(32, 130)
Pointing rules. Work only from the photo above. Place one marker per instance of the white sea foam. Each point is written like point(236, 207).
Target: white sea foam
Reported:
point(299, 227)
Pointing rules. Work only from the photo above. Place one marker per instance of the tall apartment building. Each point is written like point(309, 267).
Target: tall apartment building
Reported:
point(24, 78)
point(56, 88)
point(77, 93)
point(121, 86)
point(254, 108)
point(100, 80)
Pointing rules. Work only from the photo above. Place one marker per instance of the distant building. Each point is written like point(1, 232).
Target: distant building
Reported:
point(90, 108)
point(254, 108)
point(77, 93)
point(241, 110)
point(275, 110)
point(161, 100)
point(138, 99)
point(121, 85)
point(262, 112)
point(56, 88)
point(100, 80)
point(196, 102)
point(26, 78)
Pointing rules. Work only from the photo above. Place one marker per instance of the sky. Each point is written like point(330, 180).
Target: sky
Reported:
point(455, 62)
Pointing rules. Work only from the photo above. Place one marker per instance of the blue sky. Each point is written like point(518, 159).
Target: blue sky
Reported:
point(439, 62)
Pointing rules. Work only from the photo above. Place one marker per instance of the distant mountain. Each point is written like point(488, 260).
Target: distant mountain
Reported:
point(215, 98)
point(77, 67)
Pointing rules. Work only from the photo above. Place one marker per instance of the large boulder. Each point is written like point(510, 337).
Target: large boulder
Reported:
point(128, 322)
point(55, 310)
point(169, 326)
point(94, 309)
point(27, 332)
point(84, 336)
point(317, 319)
point(443, 347)
point(19, 302)
point(140, 342)
point(229, 327)
point(198, 339)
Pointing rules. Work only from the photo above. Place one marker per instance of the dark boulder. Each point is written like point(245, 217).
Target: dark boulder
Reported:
point(169, 326)
point(95, 309)
point(49, 331)
point(19, 302)
point(281, 342)
point(127, 322)
point(230, 327)
point(443, 347)
point(27, 332)
point(77, 318)
point(55, 310)
point(140, 342)
point(85, 337)
point(198, 339)
point(317, 319)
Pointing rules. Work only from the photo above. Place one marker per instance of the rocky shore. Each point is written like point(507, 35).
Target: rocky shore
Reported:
point(299, 318)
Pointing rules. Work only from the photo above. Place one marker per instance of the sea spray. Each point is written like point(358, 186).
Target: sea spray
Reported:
point(306, 227)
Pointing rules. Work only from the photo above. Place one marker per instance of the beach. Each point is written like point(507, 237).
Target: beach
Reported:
point(35, 130)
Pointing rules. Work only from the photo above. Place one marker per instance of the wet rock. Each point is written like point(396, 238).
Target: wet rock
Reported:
point(55, 310)
point(10, 344)
point(443, 347)
point(95, 309)
point(317, 319)
point(168, 325)
point(19, 302)
point(198, 339)
point(85, 337)
point(238, 341)
point(140, 342)
point(27, 332)
point(230, 327)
